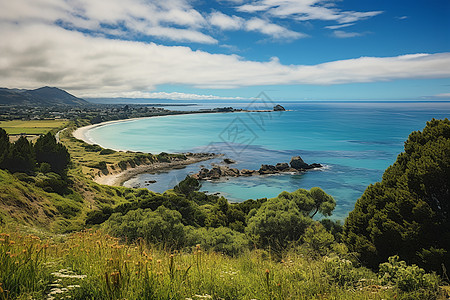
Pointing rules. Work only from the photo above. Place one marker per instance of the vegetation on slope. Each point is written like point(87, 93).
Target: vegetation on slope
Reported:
point(92, 265)
point(171, 245)
point(407, 213)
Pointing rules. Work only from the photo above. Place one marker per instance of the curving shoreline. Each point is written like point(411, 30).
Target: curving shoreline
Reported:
point(80, 133)
point(117, 179)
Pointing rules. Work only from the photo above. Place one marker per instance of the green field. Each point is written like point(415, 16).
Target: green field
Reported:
point(32, 127)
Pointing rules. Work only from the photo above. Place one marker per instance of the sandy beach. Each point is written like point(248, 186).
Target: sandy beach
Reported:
point(117, 179)
point(80, 133)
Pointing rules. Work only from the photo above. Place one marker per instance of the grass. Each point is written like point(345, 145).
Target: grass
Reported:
point(35, 127)
point(93, 265)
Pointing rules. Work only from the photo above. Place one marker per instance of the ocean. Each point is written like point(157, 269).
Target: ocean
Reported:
point(354, 141)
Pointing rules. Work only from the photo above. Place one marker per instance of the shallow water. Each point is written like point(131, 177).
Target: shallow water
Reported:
point(355, 141)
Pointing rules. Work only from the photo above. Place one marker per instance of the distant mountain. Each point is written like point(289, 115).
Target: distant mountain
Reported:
point(41, 96)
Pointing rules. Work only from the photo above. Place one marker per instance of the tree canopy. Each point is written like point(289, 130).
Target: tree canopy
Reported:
point(407, 213)
point(284, 219)
point(23, 156)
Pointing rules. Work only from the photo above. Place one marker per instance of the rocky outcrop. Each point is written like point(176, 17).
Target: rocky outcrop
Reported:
point(216, 172)
point(282, 166)
point(246, 172)
point(267, 169)
point(229, 161)
point(278, 107)
point(296, 165)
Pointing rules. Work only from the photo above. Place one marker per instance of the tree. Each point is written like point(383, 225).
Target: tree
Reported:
point(407, 213)
point(4, 146)
point(311, 202)
point(284, 219)
point(20, 157)
point(47, 150)
point(187, 186)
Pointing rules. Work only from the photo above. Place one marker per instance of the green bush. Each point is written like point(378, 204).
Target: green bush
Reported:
point(107, 151)
point(409, 278)
point(52, 183)
point(92, 148)
point(343, 272)
point(162, 226)
point(282, 220)
point(100, 165)
point(318, 239)
point(222, 239)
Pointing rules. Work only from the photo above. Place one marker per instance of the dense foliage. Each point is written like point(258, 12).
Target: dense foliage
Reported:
point(407, 213)
point(46, 155)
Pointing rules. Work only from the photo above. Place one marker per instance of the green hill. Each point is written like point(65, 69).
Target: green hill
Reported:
point(46, 96)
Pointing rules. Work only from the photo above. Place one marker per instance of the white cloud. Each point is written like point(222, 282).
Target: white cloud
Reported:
point(443, 95)
point(273, 30)
point(344, 34)
point(170, 19)
point(163, 95)
point(305, 10)
point(42, 54)
point(226, 22)
point(339, 26)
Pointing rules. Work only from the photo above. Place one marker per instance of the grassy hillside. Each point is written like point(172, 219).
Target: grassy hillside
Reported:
point(92, 265)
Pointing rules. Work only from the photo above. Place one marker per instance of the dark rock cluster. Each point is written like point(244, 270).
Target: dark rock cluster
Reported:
point(296, 165)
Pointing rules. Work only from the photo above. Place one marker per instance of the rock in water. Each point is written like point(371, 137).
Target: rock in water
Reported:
point(268, 169)
point(278, 107)
point(315, 165)
point(229, 161)
point(246, 172)
point(282, 166)
point(298, 163)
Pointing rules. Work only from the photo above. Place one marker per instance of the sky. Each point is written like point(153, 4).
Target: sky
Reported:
point(229, 49)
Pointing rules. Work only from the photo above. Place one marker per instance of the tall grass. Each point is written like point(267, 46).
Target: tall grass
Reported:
point(93, 265)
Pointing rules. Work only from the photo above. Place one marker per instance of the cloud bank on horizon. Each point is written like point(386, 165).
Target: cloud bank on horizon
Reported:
point(137, 49)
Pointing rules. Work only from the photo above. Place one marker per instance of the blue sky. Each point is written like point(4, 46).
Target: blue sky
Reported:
point(229, 49)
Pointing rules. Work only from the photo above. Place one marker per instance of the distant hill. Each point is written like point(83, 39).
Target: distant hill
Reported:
point(41, 96)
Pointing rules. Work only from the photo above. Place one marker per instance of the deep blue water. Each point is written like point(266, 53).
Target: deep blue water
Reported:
point(356, 141)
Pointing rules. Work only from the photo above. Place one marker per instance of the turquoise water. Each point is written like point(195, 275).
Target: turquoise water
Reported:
point(355, 141)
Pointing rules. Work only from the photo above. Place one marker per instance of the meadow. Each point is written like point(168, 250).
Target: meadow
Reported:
point(93, 265)
point(31, 129)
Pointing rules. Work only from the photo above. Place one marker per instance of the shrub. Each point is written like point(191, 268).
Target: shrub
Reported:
point(318, 239)
point(222, 239)
point(92, 148)
point(409, 278)
point(107, 151)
